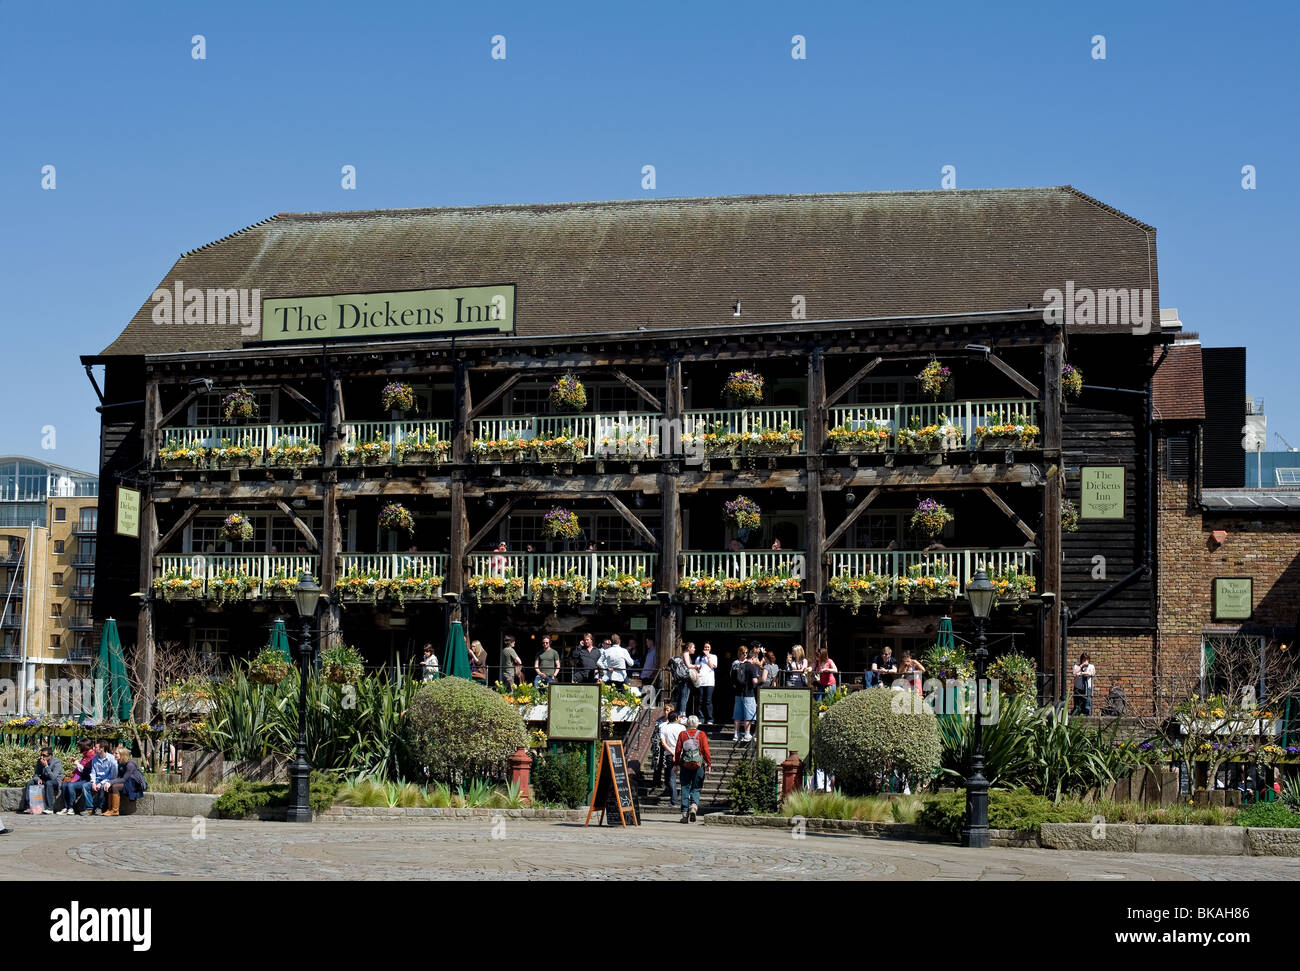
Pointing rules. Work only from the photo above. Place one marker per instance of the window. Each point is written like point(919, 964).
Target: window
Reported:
point(57, 580)
point(876, 530)
point(1178, 457)
point(58, 546)
point(88, 521)
point(56, 640)
point(56, 610)
point(207, 410)
point(60, 514)
point(205, 536)
point(886, 391)
point(286, 538)
point(608, 531)
point(85, 580)
point(212, 640)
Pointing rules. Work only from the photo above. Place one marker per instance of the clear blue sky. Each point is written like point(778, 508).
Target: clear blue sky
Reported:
point(157, 153)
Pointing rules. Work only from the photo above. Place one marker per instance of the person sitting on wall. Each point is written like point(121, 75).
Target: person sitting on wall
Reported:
point(883, 669)
point(48, 774)
point(129, 782)
point(103, 770)
point(80, 781)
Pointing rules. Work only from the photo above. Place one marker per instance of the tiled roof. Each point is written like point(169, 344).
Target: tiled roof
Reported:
point(615, 266)
point(1178, 389)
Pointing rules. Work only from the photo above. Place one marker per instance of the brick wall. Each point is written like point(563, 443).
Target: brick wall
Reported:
point(1121, 660)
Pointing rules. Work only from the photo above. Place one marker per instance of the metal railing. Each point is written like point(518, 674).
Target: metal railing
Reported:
point(82, 592)
point(258, 437)
point(394, 432)
point(259, 566)
point(390, 565)
point(590, 566)
point(745, 564)
point(966, 415)
point(961, 563)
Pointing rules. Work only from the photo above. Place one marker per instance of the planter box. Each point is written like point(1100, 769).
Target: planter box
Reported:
point(498, 457)
point(179, 464)
point(853, 448)
point(1004, 442)
point(421, 456)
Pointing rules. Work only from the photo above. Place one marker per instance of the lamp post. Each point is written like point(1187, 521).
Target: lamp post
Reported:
point(306, 597)
point(980, 592)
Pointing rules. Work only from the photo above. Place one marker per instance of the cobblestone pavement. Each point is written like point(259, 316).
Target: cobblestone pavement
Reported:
point(72, 848)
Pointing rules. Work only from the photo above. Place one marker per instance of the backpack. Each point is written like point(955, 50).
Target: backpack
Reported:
point(692, 757)
point(738, 679)
point(679, 669)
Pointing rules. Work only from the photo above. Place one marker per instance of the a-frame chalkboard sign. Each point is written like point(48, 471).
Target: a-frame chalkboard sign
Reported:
point(613, 787)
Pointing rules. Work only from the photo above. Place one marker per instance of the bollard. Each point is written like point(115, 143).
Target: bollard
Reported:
point(790, 772)
point(521, 766)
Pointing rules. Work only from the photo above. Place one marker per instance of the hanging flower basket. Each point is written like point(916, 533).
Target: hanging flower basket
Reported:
point(743, 387)
point(1015, 674)
point(341, 665)
point(397, 517)
point(239, 405)
point(934, 378)
point(1013, 587)
point(742, 512)
point(1071, 381)
point(854, 591)
point(398, 396)
point(930, 517)
point(1069, 516)
point(561, 524)
point(568, 394)
point(237, 528)
point(269, 667)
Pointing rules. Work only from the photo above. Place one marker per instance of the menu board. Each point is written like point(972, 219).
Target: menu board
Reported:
point(784, 722)
point(613, 787)
point(573, 712)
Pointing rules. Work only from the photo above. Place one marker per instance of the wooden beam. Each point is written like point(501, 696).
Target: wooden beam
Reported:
point(1010, 514)
point(814, 510)
point(144, 647)
point(852, 382)
point(642, 530)
point(851, 518)
point(1050, 422)
point(932, 476)
point(303, 400)
point(186, 518)
point(641, 392)
point(302, 527)
point(1014, 375)
point(496, 517)
point(497, 392)
point(179, 408)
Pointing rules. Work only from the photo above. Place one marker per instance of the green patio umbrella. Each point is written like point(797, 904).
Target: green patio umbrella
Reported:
point(113, 699)
point(946, 641)
point(280, 640)
point(455, 661)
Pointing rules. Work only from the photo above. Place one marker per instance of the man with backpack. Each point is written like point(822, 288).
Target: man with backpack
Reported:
point(693, 761)
point(744, 680)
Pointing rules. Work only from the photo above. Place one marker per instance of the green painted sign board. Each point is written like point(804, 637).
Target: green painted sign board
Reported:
point(1101, 492)
point(1233, 598)
point(742, 625)
point(573, 712)
point(384, 316)
point(784, 722)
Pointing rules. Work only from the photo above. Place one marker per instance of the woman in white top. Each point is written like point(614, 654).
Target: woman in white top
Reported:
point(1083, 672)
point(706, 662)
point(796, 669)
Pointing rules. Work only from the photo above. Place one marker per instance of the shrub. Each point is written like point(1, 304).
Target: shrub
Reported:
point(836, 805)
point(1016, 674)
point(243, 799)
point(754, 787)
point(456, 730)
point(1008, 809)
point(16, 765)
point(560, 778)
point(1269, 815)
point(874, 732)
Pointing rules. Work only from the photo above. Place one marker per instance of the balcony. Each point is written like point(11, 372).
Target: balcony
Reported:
point(80, 622)
point(81, 655)
point(11, 559)
point(224, 578)
point(560, 578)
point(735, 432)
point(914, 576)
point(241, 446)
point(84, 557)
point(567, 438)
point(415, 442)
point(392, 576)
point(8, 653)
point(82, 592)
point(85, 530)
point(11, 621)
point(955, 425)
point(763, 576)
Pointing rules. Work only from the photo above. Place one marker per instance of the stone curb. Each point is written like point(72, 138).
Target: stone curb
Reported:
point(390, 814)
point(180, 804)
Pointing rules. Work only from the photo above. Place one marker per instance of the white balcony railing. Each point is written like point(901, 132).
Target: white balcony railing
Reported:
point(394, 432)
point(961, 563)
point(258, 566)
point(591, 566)
point(258, 437)
point(745, 564)
point(541, 427)
point(390, 565)
point(966, 415)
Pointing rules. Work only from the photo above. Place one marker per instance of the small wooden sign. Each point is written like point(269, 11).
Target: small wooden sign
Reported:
point(613, 787)
point(1233, 598)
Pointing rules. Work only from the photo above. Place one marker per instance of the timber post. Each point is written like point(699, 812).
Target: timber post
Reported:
point(1050, 535)
point(815, 520)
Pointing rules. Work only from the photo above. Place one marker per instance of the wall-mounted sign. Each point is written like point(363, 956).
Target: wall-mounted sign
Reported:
point(743, 625)
point(381, 316)
point(638, 623)
point(1101, 492)
point(573, 712)
point(1233, 598)
point(784, 722)
point(128, 512)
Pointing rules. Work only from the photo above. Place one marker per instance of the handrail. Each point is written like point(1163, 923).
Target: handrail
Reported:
point(961, 563)
point(745, 563)
point(591, 566)
point(967, 414)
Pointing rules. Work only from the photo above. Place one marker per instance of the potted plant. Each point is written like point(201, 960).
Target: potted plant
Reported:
point(270, 666)
point(281, 586)
point(178, 584)
point(715, 588)
point(568, 394)
point(930, 517)
point(415, 447)
point(395, 516)
point(923, 583)
point(293, 452)
point(499, 449)
point(1016, 432)
point(941, 436)
point(506, 587)
point(743, 387)
point(239, 405)
point(1069, 516)
point(341, 665)
point(237, 528)
point(358, 584)
point(230, 454)
point(618, 587)
point(182, 455)
point(776, 586)
point(230, 585)
point(372, 452)
point(558, 587)
point(948, 663)
point(1015, 674)
point(772, 441)
point(742, 512)
point(410, 585)
point(398, 397)
point(564, 447)
point(1071, 381)
point(1013, 587)
point(934, 378)
point(869, 436)
point(854, 591)
point(561, 524)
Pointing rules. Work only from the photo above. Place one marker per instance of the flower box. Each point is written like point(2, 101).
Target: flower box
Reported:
point(293, 454)
point(188, 459)
point(854, 591)
point(505, 589)
point(504, 450)
point(617, 588)
point(374, 452)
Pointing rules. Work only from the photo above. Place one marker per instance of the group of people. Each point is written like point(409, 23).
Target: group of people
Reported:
point(612, 661)
point(100, 777)
point(682, 758)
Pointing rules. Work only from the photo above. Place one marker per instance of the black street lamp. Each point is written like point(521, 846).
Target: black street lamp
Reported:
point(306, 596)
point(980, 592)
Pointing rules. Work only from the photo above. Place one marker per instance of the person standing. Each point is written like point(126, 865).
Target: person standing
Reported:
point(680, 672)
point(824, 672)
point(796, 670)
point(745, 675)
point(707, 665)
point(693, 673)
point(668, 740)
point(478, 662)
point(546, 666)
point(618, 662)
point(650, 668)
point(587, 664)
point(1083, 672)
point(771, 671)
point(512, 665)
point(692, 760)
point(429, 665)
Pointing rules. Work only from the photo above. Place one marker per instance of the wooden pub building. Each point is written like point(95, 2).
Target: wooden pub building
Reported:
point(398, 403)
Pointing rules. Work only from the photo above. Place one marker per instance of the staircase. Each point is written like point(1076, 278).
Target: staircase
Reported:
point(654, 800)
